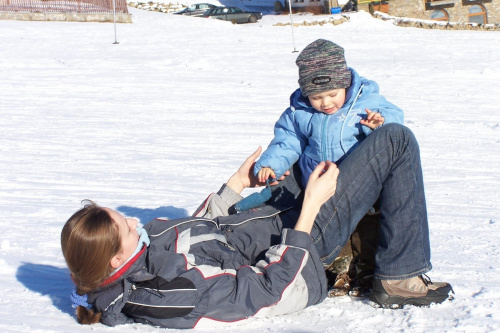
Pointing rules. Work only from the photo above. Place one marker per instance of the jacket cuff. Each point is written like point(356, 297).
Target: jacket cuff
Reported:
point(228, 195)
point(367, 130)
point(296, 238)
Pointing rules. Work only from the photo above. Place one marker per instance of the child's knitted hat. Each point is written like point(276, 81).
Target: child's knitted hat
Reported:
point(322, 66)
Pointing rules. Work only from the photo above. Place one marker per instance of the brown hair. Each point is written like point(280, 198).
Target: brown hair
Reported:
point(89, 240)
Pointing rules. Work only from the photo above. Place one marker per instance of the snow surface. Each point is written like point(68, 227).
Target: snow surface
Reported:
point(152, 125)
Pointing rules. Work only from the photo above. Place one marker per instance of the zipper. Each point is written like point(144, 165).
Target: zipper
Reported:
point(323, 138)
point(348, 113)
point(257, 217)
point(196, 219)
point(155, 292)
point(158, 292)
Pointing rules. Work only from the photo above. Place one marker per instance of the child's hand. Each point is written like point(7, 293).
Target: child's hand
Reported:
point(265, 173)
point(373, 119)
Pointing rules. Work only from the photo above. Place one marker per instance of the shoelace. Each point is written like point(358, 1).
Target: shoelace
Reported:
point(425, 279)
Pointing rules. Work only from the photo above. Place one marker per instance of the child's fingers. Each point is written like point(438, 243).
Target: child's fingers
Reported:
point(265, 173)
point(368, 123)
point(261, 175)
point(370, 115)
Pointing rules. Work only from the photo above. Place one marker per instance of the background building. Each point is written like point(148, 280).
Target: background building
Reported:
point(462, 11)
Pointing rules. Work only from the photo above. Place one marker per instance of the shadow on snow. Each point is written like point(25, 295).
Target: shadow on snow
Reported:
point(47, 280)
point(147, 214)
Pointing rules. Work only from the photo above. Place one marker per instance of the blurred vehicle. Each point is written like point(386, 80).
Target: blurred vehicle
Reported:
point(233, 14)
point(197, 9)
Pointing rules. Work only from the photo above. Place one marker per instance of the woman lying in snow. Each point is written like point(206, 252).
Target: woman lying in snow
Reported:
point(226, 266)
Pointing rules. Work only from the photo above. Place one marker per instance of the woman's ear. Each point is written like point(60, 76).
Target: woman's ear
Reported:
point(116, 261)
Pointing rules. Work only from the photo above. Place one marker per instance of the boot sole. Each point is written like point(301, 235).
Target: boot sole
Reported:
point(381, 299)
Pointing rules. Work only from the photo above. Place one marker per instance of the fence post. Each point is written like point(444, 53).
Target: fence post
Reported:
point(114, 19)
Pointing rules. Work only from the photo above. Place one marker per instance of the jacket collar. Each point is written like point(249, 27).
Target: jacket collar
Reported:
point(118, 273)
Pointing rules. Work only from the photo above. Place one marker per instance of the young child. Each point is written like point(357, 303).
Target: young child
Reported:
point(329, 115)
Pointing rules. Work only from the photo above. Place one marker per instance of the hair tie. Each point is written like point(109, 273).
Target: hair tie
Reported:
point(78, 300)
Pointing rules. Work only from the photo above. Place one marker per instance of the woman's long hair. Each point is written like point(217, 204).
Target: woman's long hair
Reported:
point(89, 240)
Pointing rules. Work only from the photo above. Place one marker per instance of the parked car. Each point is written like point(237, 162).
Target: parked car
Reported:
point(233, 14)
point(197, 9)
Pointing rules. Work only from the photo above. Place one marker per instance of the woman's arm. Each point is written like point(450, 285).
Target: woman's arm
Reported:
point(320, 187)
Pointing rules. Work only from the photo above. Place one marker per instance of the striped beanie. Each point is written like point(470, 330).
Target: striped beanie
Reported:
point(322, 67)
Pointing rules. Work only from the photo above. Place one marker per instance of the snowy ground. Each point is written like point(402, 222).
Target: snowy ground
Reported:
point(154, 124)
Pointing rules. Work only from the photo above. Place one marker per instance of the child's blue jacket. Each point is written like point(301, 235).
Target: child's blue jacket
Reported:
point(313, 136)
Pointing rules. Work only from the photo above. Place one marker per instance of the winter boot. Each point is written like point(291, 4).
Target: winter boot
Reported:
point(419, 291)
point(362, 284)
point(364, 242)
point(338, 273)
point(341, 286)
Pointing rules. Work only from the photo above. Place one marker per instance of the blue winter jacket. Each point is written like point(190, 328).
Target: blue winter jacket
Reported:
point(313, 136)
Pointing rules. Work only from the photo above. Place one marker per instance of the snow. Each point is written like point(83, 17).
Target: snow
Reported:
point(152, 125)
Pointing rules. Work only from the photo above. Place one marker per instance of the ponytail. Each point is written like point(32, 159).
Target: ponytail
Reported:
point(87, 316)
point(89, 239)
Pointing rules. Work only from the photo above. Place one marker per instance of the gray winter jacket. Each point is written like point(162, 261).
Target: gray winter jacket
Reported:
point(215, 267)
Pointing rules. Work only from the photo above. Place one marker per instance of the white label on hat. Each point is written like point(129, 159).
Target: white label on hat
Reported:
point(319, 80)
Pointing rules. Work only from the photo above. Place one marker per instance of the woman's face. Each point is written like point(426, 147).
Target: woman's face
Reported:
point(127, 227)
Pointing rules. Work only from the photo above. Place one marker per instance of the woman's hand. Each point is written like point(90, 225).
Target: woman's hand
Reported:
point(321, 186)
point(373, 119)
point(244, 177)
point(322, 183)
